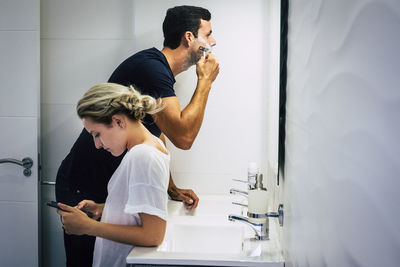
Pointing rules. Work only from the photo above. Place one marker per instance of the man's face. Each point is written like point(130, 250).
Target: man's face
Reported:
point(205, 33)
point(204, 38)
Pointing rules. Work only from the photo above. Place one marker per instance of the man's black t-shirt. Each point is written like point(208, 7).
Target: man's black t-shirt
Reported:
point(85, 172)
point(148, 71)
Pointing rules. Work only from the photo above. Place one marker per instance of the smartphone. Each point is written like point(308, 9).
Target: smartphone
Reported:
point(53, 204)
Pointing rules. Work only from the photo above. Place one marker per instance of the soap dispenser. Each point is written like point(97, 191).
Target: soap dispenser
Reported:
point(258, 202)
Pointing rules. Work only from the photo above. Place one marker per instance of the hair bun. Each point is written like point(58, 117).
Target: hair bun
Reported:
point(104, 100)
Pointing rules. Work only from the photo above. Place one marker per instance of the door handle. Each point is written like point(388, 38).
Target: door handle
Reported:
point(26, 163)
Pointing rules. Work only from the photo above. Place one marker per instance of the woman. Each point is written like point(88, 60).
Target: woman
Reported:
point(135, 209)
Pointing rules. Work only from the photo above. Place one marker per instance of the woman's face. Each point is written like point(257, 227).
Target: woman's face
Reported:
point(111, 138)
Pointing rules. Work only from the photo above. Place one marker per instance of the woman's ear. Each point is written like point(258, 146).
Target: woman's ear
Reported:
point(119, 120)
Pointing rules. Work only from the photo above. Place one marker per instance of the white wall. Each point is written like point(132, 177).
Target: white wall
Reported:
point(342, 147)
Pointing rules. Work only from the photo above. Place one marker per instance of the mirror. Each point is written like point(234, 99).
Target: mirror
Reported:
point(282, 88)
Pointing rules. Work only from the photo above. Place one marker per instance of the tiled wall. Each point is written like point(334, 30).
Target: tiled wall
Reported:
point(342, 147)
point(80, 47)
point(19, 117)
point(81, 44)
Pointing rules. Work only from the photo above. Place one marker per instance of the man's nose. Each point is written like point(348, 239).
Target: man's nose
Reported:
point(213, 42)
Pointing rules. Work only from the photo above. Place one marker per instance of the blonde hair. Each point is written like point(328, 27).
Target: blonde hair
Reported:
point(104, 100)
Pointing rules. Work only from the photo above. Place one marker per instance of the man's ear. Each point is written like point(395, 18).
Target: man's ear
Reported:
point(187, 38)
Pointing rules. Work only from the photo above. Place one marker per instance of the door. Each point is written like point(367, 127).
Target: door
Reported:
point(19, 98)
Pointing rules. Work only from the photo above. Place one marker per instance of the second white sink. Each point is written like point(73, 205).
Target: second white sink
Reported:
point(203, 238)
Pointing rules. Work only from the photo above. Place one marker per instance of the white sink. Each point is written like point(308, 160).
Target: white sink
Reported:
point(203, 238)
point(206, 237)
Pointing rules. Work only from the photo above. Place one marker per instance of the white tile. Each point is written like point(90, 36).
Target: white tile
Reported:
point(60, 127)
point(90, 19)
point(19, 244)
point(19, 75)
point(19, 15)
point(18, 139)
point(71, 67)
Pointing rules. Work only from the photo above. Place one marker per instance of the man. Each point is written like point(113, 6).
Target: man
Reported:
point(85, 172)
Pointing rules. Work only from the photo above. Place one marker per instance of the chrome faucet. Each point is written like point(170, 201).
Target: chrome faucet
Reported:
point(250, 185)
point(261, 229)
point(234, 191)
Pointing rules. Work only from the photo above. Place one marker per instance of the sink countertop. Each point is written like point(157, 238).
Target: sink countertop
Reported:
point(206, 237)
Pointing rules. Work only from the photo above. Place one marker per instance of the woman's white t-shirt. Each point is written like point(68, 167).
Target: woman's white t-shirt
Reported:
point(139, 185)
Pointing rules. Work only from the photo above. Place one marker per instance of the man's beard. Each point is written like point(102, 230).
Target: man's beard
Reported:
point(191, 60)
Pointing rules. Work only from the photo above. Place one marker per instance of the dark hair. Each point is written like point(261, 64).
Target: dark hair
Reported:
point(181, 19)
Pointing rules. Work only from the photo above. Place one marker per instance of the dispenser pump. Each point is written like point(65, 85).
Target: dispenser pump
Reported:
point(252, 172)
point(259, 182)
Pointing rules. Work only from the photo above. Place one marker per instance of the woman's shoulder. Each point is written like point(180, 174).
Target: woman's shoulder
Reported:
point(151, 165)
point(145, 153)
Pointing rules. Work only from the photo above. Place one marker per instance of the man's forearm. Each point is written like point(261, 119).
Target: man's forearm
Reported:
point(171, 184)
point(172, 189)
point(193, 114)
point(182, 126)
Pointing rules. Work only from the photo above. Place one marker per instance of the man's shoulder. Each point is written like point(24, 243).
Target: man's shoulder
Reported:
point(150, 58)
point(148, 55)
point(151, 51)
point(145, 64)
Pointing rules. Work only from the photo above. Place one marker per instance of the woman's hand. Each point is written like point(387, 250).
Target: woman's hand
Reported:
point(91, 207)
point(74, 220)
